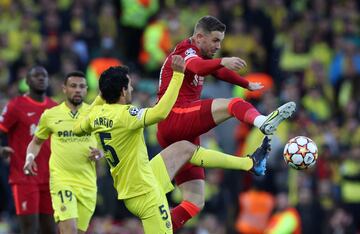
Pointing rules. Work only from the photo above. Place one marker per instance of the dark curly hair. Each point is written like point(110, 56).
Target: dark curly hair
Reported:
point(112, 81)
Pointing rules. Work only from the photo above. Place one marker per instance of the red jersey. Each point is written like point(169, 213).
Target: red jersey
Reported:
point(192, 84)
point(194, 76)
point(19, 120)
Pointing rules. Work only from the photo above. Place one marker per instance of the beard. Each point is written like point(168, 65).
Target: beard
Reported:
point(76, 102)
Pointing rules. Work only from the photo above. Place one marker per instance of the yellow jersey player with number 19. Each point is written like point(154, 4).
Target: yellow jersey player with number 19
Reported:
point(72, 175)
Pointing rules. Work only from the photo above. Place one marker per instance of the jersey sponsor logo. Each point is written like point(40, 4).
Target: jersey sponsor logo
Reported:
point(30, 114)
point(198, 80)
point(70, 133)
point(134, 111)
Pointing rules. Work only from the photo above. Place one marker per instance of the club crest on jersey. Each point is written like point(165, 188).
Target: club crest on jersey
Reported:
point(134, 111)
point(190, 51)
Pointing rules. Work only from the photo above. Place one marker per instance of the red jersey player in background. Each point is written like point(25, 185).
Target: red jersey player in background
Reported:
point(18, 121)
point(191, 116)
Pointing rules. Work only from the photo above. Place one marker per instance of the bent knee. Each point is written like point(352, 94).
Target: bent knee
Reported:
point(186, 147)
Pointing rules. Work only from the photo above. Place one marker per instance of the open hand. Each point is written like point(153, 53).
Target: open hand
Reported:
point(30, 167)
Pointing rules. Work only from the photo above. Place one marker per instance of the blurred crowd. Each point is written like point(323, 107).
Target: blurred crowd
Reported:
point(303, 51)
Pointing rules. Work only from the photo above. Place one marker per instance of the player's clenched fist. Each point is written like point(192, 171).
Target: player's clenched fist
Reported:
point(30, 167)
point(178, 63)
point(233, 63)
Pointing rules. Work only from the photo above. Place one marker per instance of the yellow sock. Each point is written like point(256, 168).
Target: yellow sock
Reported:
point(215, 159)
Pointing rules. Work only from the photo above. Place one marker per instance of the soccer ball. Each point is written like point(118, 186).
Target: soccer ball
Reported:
point(300, 152)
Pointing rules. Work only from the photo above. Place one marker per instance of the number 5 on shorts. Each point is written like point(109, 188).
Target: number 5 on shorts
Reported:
point(163, 212)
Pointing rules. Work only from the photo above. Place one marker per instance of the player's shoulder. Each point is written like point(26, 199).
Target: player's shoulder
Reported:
point(132, 110)
point(14, 103)
point(186, 45)
point(84, 105)
point(186, 49)
point(125, 111)
point(53, 110)
point(16, 100)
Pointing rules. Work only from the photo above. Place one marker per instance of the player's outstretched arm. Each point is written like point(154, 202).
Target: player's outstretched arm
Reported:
point(204, 67)
point(223, 69)
point(33, 149)
point(234, 78)
point(161, 110)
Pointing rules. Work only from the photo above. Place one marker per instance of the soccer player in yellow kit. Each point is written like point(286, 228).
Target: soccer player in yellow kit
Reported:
point(72, 175)
point(118, 127)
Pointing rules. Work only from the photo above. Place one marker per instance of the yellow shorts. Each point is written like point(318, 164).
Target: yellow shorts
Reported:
point(72, 202)
point(152, 208)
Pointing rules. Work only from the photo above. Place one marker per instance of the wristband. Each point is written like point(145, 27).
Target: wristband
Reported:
point(99, 156)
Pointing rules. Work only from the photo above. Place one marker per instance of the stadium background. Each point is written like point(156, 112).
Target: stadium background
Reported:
point(305, 51)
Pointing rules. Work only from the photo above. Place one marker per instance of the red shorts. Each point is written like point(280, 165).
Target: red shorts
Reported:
point(32, 199)
point(187, 122)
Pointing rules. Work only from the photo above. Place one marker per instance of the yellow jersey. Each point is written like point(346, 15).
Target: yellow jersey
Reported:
point(119, 130)
point(69, 160)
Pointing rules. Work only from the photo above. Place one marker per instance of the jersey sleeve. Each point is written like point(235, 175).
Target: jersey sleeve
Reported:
point(189, 53)
point(231, 77)
point(42, 130)
point(8, 117)
point(135, 117)
point(161, 110)
point(196, 63)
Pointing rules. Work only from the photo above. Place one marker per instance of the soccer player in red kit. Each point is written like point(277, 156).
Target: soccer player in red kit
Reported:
point(191, 116)
point(18, 121)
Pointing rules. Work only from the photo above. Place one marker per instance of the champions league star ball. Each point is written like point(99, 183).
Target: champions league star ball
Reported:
point(300, 152)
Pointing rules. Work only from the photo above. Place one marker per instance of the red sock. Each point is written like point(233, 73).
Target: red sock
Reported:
point(182, 213)
point(242, 110)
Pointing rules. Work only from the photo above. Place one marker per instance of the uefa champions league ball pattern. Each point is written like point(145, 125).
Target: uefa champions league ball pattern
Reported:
point(300, 152)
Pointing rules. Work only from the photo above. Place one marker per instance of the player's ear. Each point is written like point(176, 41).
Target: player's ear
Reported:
point(199, 35)
point(123, 92)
